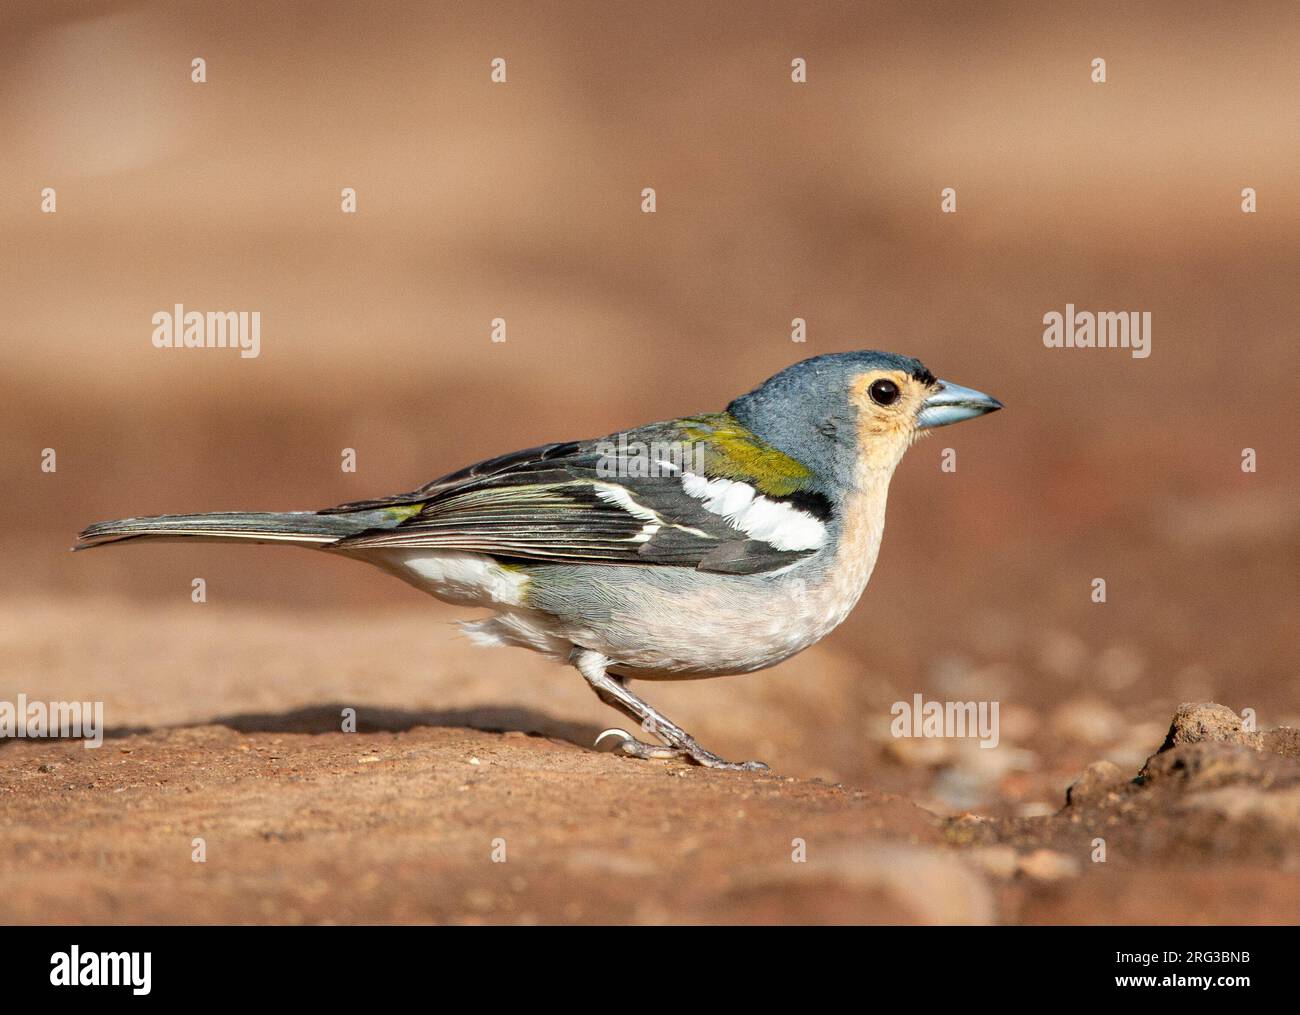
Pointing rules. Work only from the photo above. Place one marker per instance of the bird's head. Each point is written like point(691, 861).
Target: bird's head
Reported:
point(848, 415)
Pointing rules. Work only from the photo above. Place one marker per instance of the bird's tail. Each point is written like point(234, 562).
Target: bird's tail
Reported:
point(306, 528)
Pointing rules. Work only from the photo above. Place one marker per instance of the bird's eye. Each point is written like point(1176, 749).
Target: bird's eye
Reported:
point(883, 392)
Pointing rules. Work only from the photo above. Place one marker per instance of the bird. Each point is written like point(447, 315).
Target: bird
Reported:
point(703, 546)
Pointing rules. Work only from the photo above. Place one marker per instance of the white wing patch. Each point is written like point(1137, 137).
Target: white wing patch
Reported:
point(614, 494)
point(618, 496)
point(782, 525)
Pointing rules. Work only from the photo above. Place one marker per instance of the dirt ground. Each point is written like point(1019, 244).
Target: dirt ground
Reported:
point(491, 808)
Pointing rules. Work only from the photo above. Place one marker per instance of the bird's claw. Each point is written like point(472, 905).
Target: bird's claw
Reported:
point(630, 747)
point(623, 735)
point(702, 757)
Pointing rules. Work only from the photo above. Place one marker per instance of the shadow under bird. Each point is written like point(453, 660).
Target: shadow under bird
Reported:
point(713, 544)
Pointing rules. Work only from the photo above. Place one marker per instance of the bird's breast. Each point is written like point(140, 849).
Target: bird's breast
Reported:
point(862, 526)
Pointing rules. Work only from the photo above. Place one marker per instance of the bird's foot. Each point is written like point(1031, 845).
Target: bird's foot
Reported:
point(633, 748)
point(702, 757)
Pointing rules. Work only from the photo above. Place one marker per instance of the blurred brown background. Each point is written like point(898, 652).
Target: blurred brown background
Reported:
point(775, 200)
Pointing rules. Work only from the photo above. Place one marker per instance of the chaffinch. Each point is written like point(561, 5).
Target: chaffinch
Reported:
point(714, 544)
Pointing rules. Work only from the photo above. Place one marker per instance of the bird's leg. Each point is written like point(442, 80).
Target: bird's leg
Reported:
point(613, 692)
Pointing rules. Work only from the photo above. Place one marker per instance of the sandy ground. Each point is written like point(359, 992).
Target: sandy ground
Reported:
point(469, 795)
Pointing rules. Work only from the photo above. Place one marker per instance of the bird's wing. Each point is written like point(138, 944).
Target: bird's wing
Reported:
point(702, 493)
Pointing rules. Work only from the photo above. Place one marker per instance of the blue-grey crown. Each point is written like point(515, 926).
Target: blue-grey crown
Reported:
point(805, 411)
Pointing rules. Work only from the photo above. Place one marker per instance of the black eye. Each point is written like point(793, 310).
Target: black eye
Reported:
point(883, 392)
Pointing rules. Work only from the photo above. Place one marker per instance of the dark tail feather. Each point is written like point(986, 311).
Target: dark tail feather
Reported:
point(306, 528)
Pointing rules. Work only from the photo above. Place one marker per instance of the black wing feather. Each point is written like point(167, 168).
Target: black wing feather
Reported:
point(558, 504)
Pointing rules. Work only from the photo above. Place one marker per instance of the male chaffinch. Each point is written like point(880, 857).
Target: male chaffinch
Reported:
point(709, 545)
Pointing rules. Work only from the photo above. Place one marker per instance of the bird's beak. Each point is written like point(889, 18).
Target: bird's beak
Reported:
point(951, 403)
